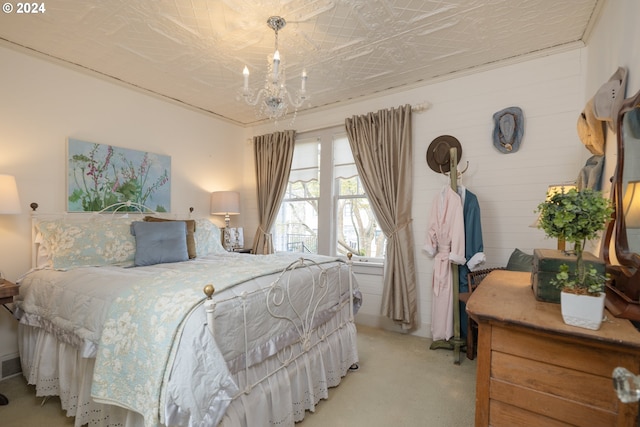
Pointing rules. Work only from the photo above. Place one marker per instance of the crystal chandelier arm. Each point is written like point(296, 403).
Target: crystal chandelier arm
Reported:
point(252, 99)
point(300, 99)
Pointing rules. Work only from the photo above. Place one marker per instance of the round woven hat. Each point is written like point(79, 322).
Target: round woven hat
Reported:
point(590, 130)
point(508, 129)
point(438, 153)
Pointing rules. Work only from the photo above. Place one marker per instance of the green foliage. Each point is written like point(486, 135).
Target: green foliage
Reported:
point(593, 282)
point(99, 183)
point(576, 216)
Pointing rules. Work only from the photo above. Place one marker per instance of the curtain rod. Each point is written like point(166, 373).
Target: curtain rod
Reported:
point(415, 108)
point(421, 107)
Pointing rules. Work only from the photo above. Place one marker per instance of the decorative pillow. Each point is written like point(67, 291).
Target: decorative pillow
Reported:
point(520, 261)
point(159, 242)
point(91, 243)
point(191, 228)
point(207, 237)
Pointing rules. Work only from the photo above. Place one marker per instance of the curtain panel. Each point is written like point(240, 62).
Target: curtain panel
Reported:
point(382, 148)
point(273, 154)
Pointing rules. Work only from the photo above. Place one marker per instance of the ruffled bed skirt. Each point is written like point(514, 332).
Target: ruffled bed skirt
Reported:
point(275, 392)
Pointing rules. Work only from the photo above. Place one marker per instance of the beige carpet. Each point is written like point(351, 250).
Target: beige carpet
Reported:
point(400, 383)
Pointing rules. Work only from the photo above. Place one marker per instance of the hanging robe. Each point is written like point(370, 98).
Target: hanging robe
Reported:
point(445, 243)
point(473, 246)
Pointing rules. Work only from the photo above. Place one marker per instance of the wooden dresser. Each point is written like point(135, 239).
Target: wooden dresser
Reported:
point(533, 370)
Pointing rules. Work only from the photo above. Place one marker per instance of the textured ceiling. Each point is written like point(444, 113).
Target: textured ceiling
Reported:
point(193, 51)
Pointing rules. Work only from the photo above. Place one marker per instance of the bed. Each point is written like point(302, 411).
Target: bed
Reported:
point(113, 320)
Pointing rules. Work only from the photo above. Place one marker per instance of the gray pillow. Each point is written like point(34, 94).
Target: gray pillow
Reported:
point(159, 242)
point(520, 261)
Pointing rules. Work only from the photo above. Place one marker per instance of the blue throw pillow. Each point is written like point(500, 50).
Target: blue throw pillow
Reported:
point(159, 242)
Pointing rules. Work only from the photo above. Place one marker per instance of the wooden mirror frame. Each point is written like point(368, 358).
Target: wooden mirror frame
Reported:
point(623, 291)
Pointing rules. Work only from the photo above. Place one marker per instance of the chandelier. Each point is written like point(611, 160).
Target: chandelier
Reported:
point(274, 99)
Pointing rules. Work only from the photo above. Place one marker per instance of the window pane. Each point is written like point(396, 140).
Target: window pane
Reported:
point(357, 229)
point(305, 154)
point(350, 187)
point(302, 190)
point(305, 165)
point(343, 163)
point(296, 229)
point(342, 151)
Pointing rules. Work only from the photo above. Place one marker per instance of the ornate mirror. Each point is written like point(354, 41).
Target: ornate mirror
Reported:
point(623, 295)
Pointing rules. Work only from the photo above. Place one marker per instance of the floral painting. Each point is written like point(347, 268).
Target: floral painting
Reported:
point(100, 175)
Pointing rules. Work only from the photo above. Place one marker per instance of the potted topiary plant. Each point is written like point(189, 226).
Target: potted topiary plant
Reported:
point(577, 216)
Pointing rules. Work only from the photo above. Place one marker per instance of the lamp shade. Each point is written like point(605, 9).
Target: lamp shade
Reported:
point(9, 200)
point(631, 205)
point(225, 203)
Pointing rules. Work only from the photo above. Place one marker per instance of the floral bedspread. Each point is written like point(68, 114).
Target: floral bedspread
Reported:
point(137, 345)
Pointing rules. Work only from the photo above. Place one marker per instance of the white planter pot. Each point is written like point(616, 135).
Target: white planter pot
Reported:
point(583, 311)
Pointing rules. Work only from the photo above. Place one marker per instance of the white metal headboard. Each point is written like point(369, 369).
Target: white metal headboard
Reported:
point(111, 211)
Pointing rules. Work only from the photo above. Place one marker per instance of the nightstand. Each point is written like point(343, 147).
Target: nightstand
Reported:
point(7, 291)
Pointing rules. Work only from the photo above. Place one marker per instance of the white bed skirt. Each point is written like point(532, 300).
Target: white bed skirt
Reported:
point(280, 399)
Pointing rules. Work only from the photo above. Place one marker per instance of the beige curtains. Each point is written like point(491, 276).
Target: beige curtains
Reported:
point(273, 154)
point(382, 149)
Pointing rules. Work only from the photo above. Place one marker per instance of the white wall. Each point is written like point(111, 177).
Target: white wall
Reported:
point(42, 104)
point(612, 43)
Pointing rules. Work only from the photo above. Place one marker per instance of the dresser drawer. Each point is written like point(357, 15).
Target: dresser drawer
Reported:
point(534, 375)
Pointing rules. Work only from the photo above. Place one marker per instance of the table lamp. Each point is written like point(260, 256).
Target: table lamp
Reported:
point(225, 203)
point(631, 205)
point(9, 204)
point(9, 200)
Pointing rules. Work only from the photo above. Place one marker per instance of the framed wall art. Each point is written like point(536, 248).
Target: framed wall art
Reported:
point(100, 175)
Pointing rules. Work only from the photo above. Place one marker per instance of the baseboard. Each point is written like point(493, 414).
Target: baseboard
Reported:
point(10, 366)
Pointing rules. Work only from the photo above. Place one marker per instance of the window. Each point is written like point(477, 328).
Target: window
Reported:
point(356, 227)
point(296, 228)
point(325, 209)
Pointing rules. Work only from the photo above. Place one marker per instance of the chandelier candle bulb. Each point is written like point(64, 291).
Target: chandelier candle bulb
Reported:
point(245, 73)
point(276, 62)
point(303, 86)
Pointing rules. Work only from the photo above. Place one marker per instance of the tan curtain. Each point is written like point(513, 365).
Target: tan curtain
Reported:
point(382, 149)
point(272, 154)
